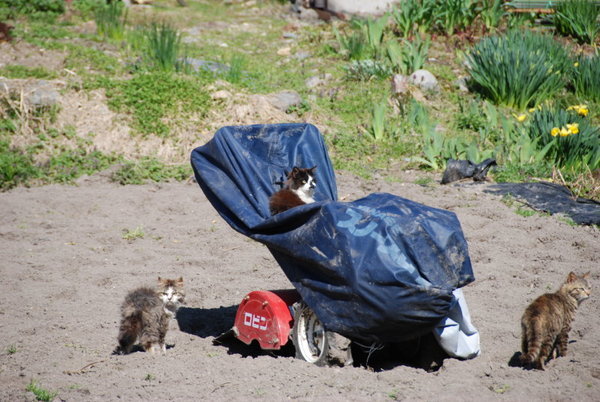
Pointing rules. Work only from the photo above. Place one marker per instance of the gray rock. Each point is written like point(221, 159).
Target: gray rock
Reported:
point(424, 80)
point(308, 14)
point(284, 100)
point(205, 65)
point(317, 80)
point(42, 94)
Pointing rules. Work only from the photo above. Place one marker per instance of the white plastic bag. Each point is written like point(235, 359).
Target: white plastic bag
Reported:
point(455, 333)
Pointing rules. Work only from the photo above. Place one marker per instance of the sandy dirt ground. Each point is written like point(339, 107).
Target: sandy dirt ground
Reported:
point(65, 268)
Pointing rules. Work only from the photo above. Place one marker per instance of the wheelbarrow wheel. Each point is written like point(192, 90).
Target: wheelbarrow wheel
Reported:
point(316, 345)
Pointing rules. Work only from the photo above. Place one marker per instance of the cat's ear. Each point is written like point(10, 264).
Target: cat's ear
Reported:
point(572, 277)
point(180, 280)
point(586, 275)
point(159, 279)
point(312, 169)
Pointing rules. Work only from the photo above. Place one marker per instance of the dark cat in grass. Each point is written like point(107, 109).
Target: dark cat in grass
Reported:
point(547, 321)
point(145, 316)
point(297, 190)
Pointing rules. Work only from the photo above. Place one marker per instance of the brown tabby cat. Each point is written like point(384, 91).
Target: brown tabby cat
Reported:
point(547, 321)
point(297, 190)
point(146, 313)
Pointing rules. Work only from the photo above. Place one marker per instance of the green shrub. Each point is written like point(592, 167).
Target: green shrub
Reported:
point(453, 15)
point(88, 8)
point(572, 140)
point(412, 16)
point(492, 12)
point(365, 40)
point(16, 167)
point(163, 49)
point(110, 20)
point(579, 19)
point(586, 78)
point(34, 8)
point(409, 56)
point(519, 69)
point(353, 46)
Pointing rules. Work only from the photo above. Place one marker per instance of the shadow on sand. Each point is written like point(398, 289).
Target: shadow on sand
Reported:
point(423, 352)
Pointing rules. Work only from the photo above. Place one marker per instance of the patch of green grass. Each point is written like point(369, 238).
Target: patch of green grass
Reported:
point(525, 212)
point(40, 33)
point(499, 388)
point(353, 107)
point(82, 59)
point(235, 73)
point(133, 234)
point(158, 100)
point(150, 377)
point(20, 71)
point(393, 395)
point(511, 173)
point(11, 350)
point(358, 153)
point(16, 167)
point(68, 165)
point(40, 393)
point(567, 220)
point(425, 182)
point(150, 169)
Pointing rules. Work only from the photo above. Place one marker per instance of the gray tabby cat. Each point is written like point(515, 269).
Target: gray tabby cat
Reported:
point(145, 315)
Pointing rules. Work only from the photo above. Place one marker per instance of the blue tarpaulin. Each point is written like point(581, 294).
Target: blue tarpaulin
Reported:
point(381, 268)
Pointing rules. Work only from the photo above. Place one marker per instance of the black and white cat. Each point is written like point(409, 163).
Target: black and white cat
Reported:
point(297, 190)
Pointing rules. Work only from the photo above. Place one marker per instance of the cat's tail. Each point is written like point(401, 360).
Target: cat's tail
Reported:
point(128, 333)
point(531, 342)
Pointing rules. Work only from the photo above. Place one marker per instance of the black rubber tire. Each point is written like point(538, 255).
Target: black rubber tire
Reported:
point(315, 345)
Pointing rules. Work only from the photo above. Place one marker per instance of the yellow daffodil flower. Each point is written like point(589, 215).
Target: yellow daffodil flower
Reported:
point(581, 110)
point(521, 118)
point(532, 110)
point(564, 132)
point(573, 128)
point(555, 131)
point(576, 64)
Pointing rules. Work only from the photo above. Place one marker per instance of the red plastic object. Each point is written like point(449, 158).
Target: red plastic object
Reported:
point(265, 316)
